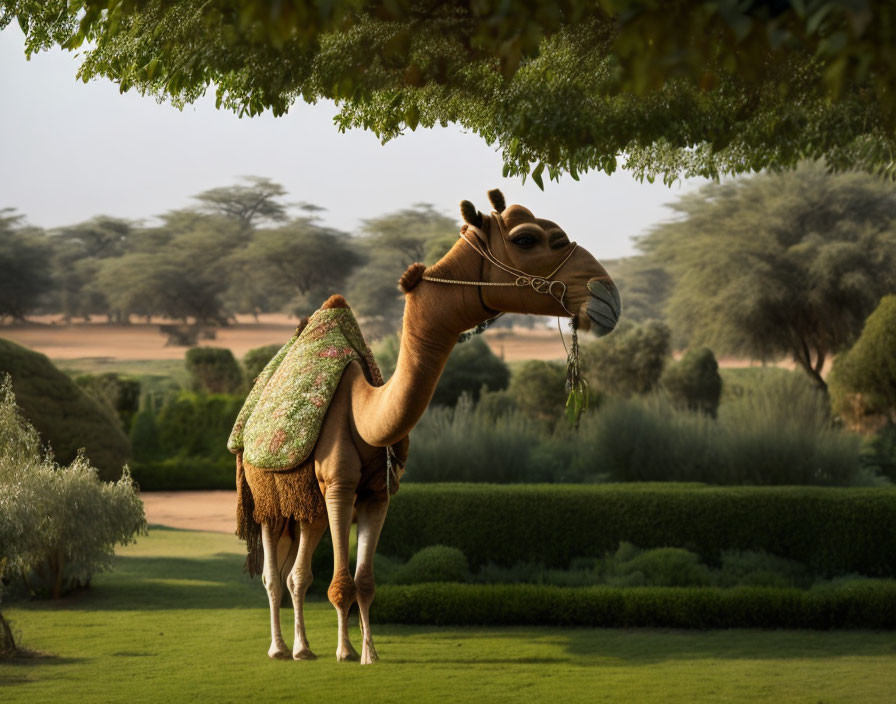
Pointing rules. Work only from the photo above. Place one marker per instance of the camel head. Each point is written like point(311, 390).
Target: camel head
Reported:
point(552, 275)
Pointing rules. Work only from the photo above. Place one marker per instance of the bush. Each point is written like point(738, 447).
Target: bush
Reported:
point(831, 531)
point(184, 473)
point(863, 380)
point(437, 563)
point(255, 360)
point(694, 382)
point(471, 367)
point(859, 604)
point(781, 433)
point(539, 389)
point(197, 425)
point(464, 444)
point(879, 452)
point(629, 361)
point(121, 396)
point(214, 370)
point(58, 524)
point(66, 418)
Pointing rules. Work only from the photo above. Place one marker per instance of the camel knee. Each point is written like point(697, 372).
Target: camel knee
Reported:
point(365, 586)
point(299, 582)
point(342, 591)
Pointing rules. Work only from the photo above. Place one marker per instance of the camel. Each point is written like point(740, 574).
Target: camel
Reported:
point(509, 261)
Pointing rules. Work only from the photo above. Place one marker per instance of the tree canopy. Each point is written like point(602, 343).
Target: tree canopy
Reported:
point(779, 264)
point(685, 88)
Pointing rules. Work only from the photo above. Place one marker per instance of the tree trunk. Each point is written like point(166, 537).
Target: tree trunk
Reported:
point(7, 640)
point(803, 357)
point(57, 585)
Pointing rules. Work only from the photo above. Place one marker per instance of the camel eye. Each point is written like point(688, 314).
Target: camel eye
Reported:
point(525, 241)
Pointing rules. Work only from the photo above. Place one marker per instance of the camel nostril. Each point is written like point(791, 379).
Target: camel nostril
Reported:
point(606, 292)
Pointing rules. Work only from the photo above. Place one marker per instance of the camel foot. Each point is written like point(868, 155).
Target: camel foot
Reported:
point(368, 655)
point(279, 652)
point(304, 654)
point(347, 654)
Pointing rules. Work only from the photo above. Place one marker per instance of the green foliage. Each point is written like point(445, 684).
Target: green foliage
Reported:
point(66, 418)
point(830, 531)
point(644, 285)
point(779, 264)
point(780, 434)
point(879, 453)
point(863, 380)
point(538, 389)
point(698, 88)
point(197, 425)
point(391, 244)
point(23, 261)
point(305, 260)
point(694, 381)
point(866, 604)
point(214, 370)
point(256, 359)
point(251, 202)
point(118, 394)
point(471, 367)
point(436, 563)
point(184, 473)
point(59, 523)
point(628, 361)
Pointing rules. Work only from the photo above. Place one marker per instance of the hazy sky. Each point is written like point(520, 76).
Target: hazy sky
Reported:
point(72, 150)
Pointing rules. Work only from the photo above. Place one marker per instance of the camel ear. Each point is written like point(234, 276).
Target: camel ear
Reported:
point(470, 214)
point(497, 200)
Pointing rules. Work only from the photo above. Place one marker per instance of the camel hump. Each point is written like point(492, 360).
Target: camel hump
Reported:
point(334, 301)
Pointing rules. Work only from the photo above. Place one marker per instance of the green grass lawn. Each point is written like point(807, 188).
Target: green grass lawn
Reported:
point(178, 621)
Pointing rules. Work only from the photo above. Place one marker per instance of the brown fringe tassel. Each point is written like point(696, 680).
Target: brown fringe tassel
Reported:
point(247, 528)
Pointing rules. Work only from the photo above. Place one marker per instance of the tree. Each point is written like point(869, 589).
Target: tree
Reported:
point(863, 380)
point(696, 87)
point(249, 204)
point(644, 284)
point(779, 264)
point(628, 362)
point(694, 381)
point(302, 259)
point(471, 367)
point(392, 243)
point(25, 274)
point(539, 389)
point(214, 370)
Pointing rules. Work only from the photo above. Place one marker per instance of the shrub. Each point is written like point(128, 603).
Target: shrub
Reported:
point(760, 569)
point(255, 360)
point(879, 452)
point(831, 531)
point(121, 396)
point(471, 367)
point(629, 361)
point(197, 424)
point(863, 380)
point(66, 418)
point(539, 389)
point(214, 369)
point(464, 444)
point(859, 604)
point(694, 382)
point(437, 563)
point(664, 567)
point(59, 523)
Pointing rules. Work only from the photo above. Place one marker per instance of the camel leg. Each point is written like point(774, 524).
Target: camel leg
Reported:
point(371, 516)
point(274, 585)
point(300, 579)
point(340, 504)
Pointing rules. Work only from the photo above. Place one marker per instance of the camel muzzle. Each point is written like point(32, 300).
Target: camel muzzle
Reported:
point(604, 307)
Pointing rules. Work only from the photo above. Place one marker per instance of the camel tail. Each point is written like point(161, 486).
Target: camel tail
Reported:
point(247, 528)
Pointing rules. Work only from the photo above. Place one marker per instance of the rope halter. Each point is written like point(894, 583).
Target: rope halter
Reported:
point(540, 284)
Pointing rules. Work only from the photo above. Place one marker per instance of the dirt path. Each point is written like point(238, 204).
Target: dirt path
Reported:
point(213, 511)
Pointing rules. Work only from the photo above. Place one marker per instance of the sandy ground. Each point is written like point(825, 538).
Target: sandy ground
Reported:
point(213, 511)
point(143, 341)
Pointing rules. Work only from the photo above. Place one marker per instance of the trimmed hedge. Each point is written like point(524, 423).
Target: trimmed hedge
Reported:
point(830, 530)
point(185, 474)
point(862, 604)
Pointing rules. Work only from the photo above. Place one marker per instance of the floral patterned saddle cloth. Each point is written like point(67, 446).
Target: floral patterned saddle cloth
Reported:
point(277, 428)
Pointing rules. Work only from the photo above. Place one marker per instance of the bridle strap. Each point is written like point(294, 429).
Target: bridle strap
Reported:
point(539, 284)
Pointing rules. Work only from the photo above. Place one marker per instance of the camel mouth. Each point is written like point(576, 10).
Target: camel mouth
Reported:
point(604, 306)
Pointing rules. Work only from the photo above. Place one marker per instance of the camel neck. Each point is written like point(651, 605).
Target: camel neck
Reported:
point(435, 314)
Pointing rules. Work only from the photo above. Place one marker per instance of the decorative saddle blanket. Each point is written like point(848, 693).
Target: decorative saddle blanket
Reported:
point(277, 428)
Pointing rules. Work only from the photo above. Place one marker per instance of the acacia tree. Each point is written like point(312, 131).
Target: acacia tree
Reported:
point(779, 264)
point(694, 87)
point(250, 203)
point(24, 271)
